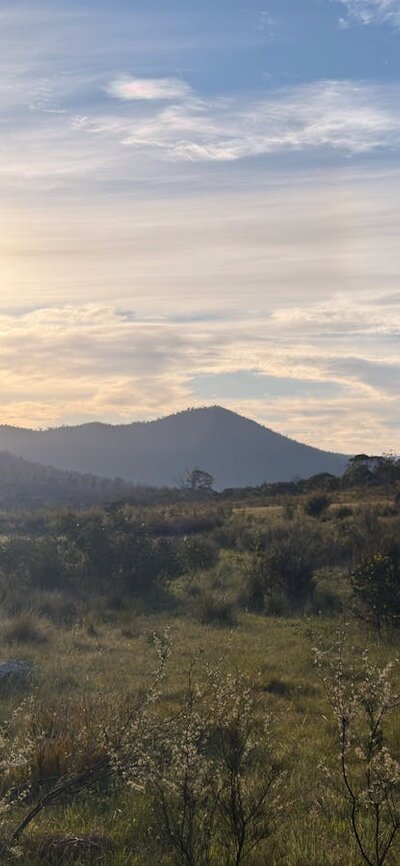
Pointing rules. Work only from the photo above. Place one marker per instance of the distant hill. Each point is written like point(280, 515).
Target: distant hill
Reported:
point(236, 451)
point(31, 485)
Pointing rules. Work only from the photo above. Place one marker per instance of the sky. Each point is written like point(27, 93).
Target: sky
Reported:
point(199, 204)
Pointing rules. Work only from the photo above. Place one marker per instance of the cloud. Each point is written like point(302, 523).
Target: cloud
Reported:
point(265, 21)
point(354, 118)
point(145, 143)
point(372, 11)
point(95, 361)
point(342, 319)
point(129, 89)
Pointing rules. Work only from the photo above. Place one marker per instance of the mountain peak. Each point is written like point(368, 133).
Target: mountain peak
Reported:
point(237, 451)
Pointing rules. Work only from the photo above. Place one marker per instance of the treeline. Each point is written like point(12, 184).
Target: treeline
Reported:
point(25, 485)
point(363, 471)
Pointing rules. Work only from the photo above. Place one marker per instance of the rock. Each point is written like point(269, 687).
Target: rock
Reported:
point(15, 673)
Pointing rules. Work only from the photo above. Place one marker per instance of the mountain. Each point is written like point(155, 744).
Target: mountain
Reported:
point(236, 451)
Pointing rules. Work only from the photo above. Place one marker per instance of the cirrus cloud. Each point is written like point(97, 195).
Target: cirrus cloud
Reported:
point(372, 11)
point(353, 117)
point(129, 89)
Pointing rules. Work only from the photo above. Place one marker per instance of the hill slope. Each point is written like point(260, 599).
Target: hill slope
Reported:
point(31, 485)
point(237, 451)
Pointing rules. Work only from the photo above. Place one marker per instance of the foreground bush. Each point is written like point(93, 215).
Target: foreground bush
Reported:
point(367, 772)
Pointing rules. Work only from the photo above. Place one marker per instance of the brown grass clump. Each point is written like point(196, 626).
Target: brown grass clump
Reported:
point(209, 610)
point(91, 848)
point(27, 628)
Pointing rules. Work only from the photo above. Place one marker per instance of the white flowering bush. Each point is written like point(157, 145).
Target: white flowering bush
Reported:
point(205, 766)
point(367, 773)
point(249, 776)
point(17, 747)
point(210, 769)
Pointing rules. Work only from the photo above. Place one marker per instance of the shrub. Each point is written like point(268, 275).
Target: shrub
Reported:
point(367, 772)
point(209, 610)
point(289, 563)
point(281, 575)
point(317, 505)
point(252, 597)
point(46, 563)
point(198, 554)
point(376, 587)
point(213, 772)
point(324, 601)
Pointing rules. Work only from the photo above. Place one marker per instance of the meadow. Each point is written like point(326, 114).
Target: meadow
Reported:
point(198, 672)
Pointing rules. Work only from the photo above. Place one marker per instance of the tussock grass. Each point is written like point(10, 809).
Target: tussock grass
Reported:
point(28, 628)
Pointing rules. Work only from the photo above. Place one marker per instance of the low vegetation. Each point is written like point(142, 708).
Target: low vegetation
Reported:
point(211, 681)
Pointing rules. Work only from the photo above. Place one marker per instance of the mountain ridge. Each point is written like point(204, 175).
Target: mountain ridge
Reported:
point(237, 451)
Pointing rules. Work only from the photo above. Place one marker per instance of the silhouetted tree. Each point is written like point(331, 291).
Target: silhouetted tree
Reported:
point(198, 480)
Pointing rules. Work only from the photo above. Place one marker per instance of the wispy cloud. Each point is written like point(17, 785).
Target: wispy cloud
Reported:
point(53, 146)
point(334, 115)
point(129, 89)
point(265, 21)
point(372, 11)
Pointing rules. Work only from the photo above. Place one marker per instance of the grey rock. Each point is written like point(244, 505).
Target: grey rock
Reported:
point(15, 672)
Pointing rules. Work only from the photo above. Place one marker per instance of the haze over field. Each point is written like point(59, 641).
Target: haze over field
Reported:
point(198, 205)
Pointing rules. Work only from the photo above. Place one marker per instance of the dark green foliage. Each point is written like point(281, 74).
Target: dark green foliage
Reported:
point(42, 563)
point(198, 554)
point(281, 572)
point(122, 552)
point(317, 505)
point(91, 552)
point(289, 562)
point(198, 480)
point(366, 471)
point(376, 587)
point(253, 594)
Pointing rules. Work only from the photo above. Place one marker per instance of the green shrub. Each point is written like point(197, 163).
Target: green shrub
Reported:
point(376, 588)
point(198, 554)
point(289, 563)
point(317, 505)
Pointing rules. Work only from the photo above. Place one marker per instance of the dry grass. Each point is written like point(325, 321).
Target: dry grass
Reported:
point(91, 684)
point(27, 628)
point(58, 850)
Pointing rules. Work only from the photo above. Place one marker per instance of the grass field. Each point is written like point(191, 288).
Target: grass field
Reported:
point(87, 671)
